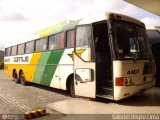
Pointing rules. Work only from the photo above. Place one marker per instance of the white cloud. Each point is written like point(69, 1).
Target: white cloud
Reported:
point(151, 21)
point(20, 18)
point(13, 17)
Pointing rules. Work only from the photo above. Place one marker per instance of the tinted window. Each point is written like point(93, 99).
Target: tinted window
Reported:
point(83, 40)
point(51, 42)
point(14, 50)
point(30, 47)
point(83, 36)
point(7, 51)
point(41, 44)
point(56, 41)
point(70, 39)
point(130, 41)
point(153, 36)
point(20, 49)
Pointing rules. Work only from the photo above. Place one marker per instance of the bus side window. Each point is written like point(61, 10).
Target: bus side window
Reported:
point(14, 50)
point(84, 42)
point(51, 42)
point(56, 41)
point(83, 36)
point(8, 51)
point(29, 47)
point(21, 49)
point(59, 41)
point(41, 44)
point(70, 39)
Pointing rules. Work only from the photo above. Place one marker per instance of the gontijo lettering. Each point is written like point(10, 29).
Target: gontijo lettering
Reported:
point(7, 60)
point(21, 59)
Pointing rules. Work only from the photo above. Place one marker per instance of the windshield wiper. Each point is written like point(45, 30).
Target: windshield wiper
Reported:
point(144, 50)
point(136, 52)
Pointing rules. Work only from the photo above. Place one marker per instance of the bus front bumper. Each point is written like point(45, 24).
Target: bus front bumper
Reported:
point(121, 92)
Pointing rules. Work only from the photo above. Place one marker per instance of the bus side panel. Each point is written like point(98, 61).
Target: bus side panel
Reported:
point(8, 69)
point(41, 66)
point(47, 66)
point(32, 66)
point(22, 67)
point(19, 62)
point(65, 67)
point(53, 71)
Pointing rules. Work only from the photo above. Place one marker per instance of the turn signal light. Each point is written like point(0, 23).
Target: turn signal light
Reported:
point(119, 81)
point(124, 81)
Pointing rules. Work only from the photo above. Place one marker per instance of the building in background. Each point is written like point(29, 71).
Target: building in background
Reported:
point(152, 6)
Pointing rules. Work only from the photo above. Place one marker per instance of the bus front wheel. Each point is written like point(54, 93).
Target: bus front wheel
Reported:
point(22, 79)
point(72, 89)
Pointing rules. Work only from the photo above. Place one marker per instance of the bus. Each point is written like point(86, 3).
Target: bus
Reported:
point(101, 56)
point(154, 40)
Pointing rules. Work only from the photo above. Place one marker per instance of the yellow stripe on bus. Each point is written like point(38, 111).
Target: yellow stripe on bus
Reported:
point(33, 66)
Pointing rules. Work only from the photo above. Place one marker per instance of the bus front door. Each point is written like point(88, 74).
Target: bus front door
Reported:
point(84, 78)
point(84, 65)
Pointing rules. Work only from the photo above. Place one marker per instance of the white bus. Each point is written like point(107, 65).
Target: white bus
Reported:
point(104, 56)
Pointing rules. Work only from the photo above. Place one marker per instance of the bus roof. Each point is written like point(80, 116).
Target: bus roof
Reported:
point(57, 28)
point(70, 24)
point(67, 25)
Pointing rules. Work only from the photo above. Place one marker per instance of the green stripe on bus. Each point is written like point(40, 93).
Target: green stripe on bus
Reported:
point(41, 67)
point(50, 69)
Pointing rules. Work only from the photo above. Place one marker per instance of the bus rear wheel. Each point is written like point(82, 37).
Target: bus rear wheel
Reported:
point(15, 78)
point(22, 79)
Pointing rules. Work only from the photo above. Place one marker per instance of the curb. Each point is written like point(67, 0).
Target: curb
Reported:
point(35, 113)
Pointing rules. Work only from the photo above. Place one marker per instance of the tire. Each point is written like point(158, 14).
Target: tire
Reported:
point(15, 78)
point(22, 79)
point(72, 89)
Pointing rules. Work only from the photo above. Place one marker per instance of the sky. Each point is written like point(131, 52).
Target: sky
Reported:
point(19, 19)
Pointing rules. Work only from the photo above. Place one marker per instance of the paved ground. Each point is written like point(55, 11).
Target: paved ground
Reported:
point(138, 107)
point(148, 103)
point(16, 98)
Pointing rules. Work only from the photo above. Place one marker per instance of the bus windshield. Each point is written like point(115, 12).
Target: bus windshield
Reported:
point(130, 41)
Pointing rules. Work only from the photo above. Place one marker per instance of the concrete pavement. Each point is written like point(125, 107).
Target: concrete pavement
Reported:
point(79, 108)
point(17, 99)
point(148, 103)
